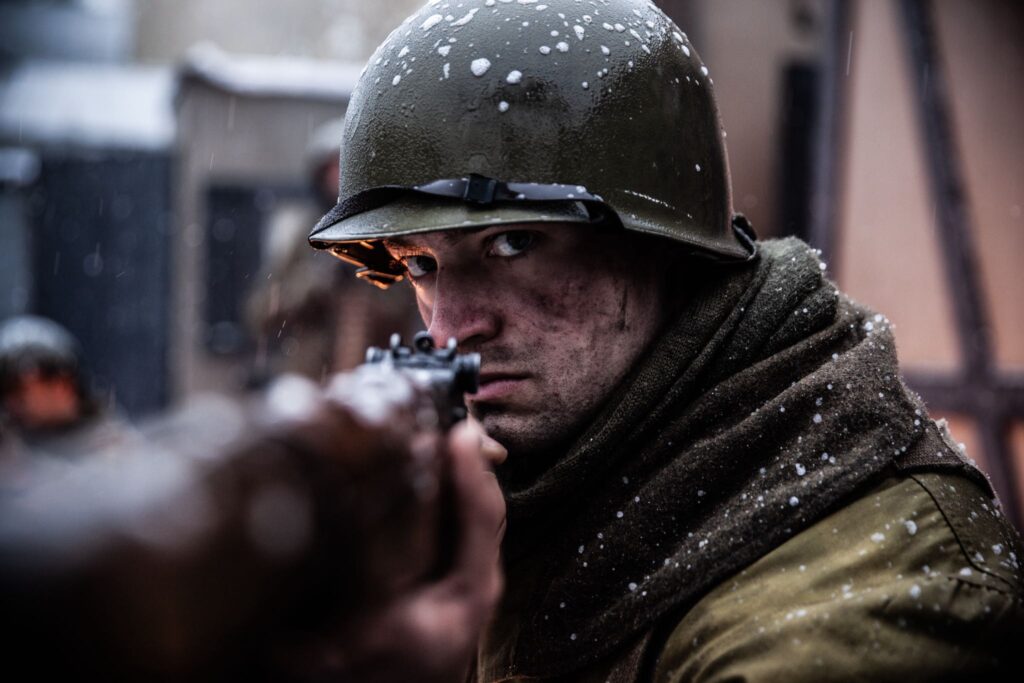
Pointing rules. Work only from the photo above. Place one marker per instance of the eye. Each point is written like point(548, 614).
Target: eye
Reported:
point(419, 266)
point(513, 243)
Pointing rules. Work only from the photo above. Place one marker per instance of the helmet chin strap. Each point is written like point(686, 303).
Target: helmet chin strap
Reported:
point(481, 190)
point(474, 189)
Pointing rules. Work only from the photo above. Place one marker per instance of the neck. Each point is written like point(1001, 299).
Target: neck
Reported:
point(524, 466)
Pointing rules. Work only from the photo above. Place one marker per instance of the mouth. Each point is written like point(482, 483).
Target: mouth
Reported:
point(496, 385)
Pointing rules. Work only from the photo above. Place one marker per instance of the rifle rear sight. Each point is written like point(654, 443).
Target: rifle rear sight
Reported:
point(448, 374)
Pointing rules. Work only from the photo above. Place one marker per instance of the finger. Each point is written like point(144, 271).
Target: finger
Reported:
point(493, 451)
point(290, 399)
point(479, 509)
point(481, 506)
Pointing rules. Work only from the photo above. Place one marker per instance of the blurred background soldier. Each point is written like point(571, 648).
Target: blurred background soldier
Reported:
point(41, 376)
point(305, 312)
point(47, 401)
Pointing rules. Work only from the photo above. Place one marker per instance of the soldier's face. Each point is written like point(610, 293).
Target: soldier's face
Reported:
point(44, 402)
point(559, 314)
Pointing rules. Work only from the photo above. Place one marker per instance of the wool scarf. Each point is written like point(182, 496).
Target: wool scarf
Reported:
point(769, 402)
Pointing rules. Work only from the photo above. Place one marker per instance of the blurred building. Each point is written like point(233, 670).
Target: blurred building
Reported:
point(141, 167)
point(884, 132)
point(336, 30)
point(91, 219)
point(887, 135)
point(235, 182)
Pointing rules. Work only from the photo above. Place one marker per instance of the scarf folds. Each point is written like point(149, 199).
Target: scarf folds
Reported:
point(768, 403)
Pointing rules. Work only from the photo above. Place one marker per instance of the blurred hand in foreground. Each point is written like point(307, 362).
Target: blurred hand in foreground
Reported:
point(429, 633)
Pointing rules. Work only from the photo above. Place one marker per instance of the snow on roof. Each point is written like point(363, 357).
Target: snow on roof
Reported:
point(132, 107)
point(257, 75)
point(87, 105)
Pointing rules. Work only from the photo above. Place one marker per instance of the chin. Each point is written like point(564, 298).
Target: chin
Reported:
point(519, 434)
point(502, 428)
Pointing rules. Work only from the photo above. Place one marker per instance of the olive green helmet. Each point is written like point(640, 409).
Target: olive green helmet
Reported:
point(515, 111)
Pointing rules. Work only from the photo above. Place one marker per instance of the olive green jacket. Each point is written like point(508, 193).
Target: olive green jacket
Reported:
point(919, 580)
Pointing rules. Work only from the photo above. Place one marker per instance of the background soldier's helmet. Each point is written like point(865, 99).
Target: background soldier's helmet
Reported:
point(29, 343)
point(502, 111)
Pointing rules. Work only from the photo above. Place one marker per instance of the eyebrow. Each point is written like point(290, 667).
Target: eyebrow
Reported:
point(450, 237)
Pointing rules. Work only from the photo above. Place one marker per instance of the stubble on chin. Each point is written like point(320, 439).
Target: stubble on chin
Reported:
point(524, 433)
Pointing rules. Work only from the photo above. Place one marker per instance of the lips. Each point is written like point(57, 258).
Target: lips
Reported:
point(497, 385)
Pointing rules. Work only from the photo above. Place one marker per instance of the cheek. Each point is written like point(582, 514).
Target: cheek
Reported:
point(588, 336)
point(584, 306)
point(604, 326)
point(565, 301)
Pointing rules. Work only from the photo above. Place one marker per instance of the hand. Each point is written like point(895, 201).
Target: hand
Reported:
point(430, 633)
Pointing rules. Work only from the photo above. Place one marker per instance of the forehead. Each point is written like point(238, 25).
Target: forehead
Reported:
point(450, 239)
point(445, 238)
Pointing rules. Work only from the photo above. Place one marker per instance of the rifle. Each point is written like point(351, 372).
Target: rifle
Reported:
point(218, 545)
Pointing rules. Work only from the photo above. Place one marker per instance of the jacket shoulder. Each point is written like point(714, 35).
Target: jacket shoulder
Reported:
point(918, 579)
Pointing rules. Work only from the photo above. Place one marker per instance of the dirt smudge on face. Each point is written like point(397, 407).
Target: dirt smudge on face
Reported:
point(624, 310)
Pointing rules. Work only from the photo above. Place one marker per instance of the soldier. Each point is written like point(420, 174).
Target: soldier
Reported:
point(714, 469)
point(47, 404)
point(304, 311)
point(42, 381)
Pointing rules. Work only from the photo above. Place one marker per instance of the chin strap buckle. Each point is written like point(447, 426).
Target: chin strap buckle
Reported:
point(480, 189)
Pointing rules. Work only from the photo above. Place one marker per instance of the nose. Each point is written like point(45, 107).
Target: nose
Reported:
point(463, 310)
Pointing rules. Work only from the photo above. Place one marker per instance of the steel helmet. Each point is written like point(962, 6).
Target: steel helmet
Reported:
point(29, 343)
point(500, 111)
